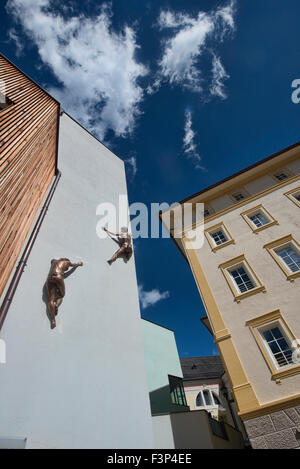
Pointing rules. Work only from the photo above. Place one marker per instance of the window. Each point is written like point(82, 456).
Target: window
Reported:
point(290, 257)
point(275, 341)
point(258, 218)
point(208, 398)
point(282, 174)
point(294, 196)
point(278, 345)
point(238, 196)
point(241, 278)
point(286, 252)
point(208, 210)
point(177, 391)
point(218, 237)
point(199, 400)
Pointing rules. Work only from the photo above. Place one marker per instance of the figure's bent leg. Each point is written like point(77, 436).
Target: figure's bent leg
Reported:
point(128, 253)
point(51, 292)
point(117, 254)
point(60, 284)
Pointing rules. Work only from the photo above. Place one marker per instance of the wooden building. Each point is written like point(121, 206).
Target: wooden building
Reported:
point(28, 153)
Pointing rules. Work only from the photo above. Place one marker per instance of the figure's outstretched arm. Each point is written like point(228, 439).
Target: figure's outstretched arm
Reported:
point(78, 264)
point(110, 232)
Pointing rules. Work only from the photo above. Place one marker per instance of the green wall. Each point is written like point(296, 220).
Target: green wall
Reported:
point(162, 359)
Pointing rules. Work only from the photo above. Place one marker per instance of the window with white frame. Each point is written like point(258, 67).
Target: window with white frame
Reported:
point(294, 196)
point(289, 256)
point(219, 237)
point(241, 278)
point(277, 344)
point(286, 253)
point(208, 398)
point(258, 218)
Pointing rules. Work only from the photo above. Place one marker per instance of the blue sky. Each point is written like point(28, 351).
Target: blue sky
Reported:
point(186, 92)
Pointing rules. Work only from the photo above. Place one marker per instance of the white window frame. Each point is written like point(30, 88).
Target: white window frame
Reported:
point(281, 243)
point(267, 321)
point(212, 405)
point(214, 229)
point(244, 266)
point(293, 194)
point(259, 209)
point(233, 264)
point(286, 335)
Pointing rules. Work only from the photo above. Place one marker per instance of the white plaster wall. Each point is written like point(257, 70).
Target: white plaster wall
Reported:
point(260, 184)
point(162, 431)
point(83, 384)
point(281, 294)
point(221, 203)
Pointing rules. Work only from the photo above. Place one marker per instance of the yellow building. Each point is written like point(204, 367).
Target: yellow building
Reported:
point(247, 272)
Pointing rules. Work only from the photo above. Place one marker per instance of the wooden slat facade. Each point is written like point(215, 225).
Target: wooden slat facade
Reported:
point(28, 154)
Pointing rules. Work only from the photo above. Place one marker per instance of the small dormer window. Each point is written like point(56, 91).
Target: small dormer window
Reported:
point(282, 175)
point(238, 196)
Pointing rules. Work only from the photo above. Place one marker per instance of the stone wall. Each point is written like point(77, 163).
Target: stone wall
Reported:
point(280, 430)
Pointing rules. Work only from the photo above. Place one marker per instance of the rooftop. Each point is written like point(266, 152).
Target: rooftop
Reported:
point(202, 367)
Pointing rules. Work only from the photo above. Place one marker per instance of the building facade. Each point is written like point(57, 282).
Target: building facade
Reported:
point(82, 384)
point(203, 383)
point(174, 426)
point(247, 271)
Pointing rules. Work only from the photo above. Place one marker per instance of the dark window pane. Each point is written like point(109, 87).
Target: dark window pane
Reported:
point(207, 397)
point(274, 347)
point(268, 336)
point(199, 400)
point(276, 332)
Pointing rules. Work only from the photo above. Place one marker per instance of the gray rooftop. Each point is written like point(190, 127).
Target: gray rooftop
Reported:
point(202, 367)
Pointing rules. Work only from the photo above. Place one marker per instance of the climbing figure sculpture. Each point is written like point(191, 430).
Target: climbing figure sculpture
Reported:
point(55, 285)
point(125, 243)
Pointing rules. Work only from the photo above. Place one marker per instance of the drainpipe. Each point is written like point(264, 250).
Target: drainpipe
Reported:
point(24, 258)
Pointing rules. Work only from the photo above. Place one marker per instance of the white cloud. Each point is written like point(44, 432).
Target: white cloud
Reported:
point(150, 298)
point(189, 146)
point(132, 163)
point(13, 36)
point(179, 64)
point(219, 75)
point(96, 66)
